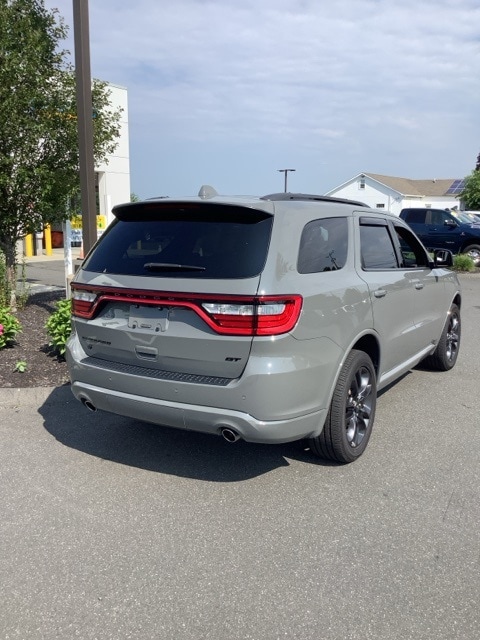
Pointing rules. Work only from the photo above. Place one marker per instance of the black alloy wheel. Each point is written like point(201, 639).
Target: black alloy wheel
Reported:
point(349, 422)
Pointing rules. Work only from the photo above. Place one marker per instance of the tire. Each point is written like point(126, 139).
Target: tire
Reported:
point(350, 418)
point(473, 250)
point(445, 355)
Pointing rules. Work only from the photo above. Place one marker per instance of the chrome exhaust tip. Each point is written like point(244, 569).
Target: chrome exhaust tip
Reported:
point(90, 406)
point(230, 435)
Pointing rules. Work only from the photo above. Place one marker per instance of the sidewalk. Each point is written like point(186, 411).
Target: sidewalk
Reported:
point(57, 254)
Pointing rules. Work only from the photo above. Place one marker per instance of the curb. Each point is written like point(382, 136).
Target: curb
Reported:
point(12, 397)
point(34, 289)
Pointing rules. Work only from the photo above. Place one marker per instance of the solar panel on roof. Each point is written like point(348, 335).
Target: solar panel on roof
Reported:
point(456, 187)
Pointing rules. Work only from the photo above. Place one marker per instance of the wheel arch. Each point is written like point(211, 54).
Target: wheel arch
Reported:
point(472, 242)
point(371, 346)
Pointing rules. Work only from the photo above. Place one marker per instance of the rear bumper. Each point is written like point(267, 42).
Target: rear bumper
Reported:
point(282, 395)
point(199, 418)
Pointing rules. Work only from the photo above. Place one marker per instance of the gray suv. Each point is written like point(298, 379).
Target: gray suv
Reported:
point(270, 319)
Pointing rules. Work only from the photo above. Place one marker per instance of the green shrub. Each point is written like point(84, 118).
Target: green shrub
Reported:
point(463, 262)
point(9, 327)
point(59, 326)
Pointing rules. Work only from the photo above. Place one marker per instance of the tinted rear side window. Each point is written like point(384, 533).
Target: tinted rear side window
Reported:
point(415, 216)
point(323, 246)
point(185, 242)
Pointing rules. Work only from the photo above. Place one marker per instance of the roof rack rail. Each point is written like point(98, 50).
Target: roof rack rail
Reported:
point(310, 197)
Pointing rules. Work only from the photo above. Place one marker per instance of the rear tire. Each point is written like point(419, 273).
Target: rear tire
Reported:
point(350, 418)
point(445, 355)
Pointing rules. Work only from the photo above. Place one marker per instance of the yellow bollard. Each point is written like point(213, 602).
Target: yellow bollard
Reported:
point(47, 236)
point(29, 245)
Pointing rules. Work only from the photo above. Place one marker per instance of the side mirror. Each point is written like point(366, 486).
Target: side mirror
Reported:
point(442, 258)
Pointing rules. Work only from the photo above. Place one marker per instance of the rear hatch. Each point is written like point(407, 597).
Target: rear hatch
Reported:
point(172, 288)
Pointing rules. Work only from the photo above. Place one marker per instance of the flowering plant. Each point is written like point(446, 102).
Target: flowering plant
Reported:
point(9, 327)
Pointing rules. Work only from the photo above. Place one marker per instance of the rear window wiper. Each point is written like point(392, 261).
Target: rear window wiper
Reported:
point(168, 266)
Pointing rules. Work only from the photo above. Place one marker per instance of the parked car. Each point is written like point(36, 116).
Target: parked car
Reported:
point(473, 215)
point(441, 229)
point(270, 319)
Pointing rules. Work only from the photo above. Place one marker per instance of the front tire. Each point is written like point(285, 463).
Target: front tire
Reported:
point(349, 422)
point(473, 251)
point(445, 355)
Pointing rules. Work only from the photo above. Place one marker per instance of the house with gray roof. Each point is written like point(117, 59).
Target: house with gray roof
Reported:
point(394, 194)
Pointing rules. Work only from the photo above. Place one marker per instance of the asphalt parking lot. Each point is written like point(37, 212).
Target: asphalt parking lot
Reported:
point(115, 529)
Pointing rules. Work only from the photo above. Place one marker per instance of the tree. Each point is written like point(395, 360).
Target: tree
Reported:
point(39, 159)
point(470, 195)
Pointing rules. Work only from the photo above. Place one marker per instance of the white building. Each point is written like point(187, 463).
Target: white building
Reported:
point(394, 194)
point(112, 177)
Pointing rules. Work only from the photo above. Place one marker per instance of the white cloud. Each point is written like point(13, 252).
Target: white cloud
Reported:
point(386, 86)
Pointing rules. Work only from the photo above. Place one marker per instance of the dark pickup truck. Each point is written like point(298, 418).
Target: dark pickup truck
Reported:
point(441, 229)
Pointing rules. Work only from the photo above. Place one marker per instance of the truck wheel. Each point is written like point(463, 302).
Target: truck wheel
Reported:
point(445, 355)
point(350, 418)
point(473, 250)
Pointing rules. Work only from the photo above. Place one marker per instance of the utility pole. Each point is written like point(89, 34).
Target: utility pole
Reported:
point(85, 122)
point(285, 171)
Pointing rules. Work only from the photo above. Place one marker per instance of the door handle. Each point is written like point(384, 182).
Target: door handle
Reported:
point(380, 293)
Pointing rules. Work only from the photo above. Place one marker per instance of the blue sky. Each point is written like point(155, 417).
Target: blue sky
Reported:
point(226, 92)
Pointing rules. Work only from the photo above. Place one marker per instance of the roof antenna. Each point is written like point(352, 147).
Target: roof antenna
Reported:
point(206, 191)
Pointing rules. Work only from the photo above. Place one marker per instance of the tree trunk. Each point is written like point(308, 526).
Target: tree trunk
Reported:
point(11, 277)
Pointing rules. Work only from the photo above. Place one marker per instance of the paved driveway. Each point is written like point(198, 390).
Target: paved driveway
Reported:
point(114, 529)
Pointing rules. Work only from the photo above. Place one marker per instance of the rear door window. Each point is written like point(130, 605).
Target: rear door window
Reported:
point(186, 241)
point(377, 248)
point(415, 216)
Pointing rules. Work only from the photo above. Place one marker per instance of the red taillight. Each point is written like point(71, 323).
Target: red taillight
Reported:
point(82, 302)
point(224, 314)
point(259, 316)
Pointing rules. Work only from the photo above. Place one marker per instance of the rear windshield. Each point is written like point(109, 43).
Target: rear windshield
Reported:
point(184, 242)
